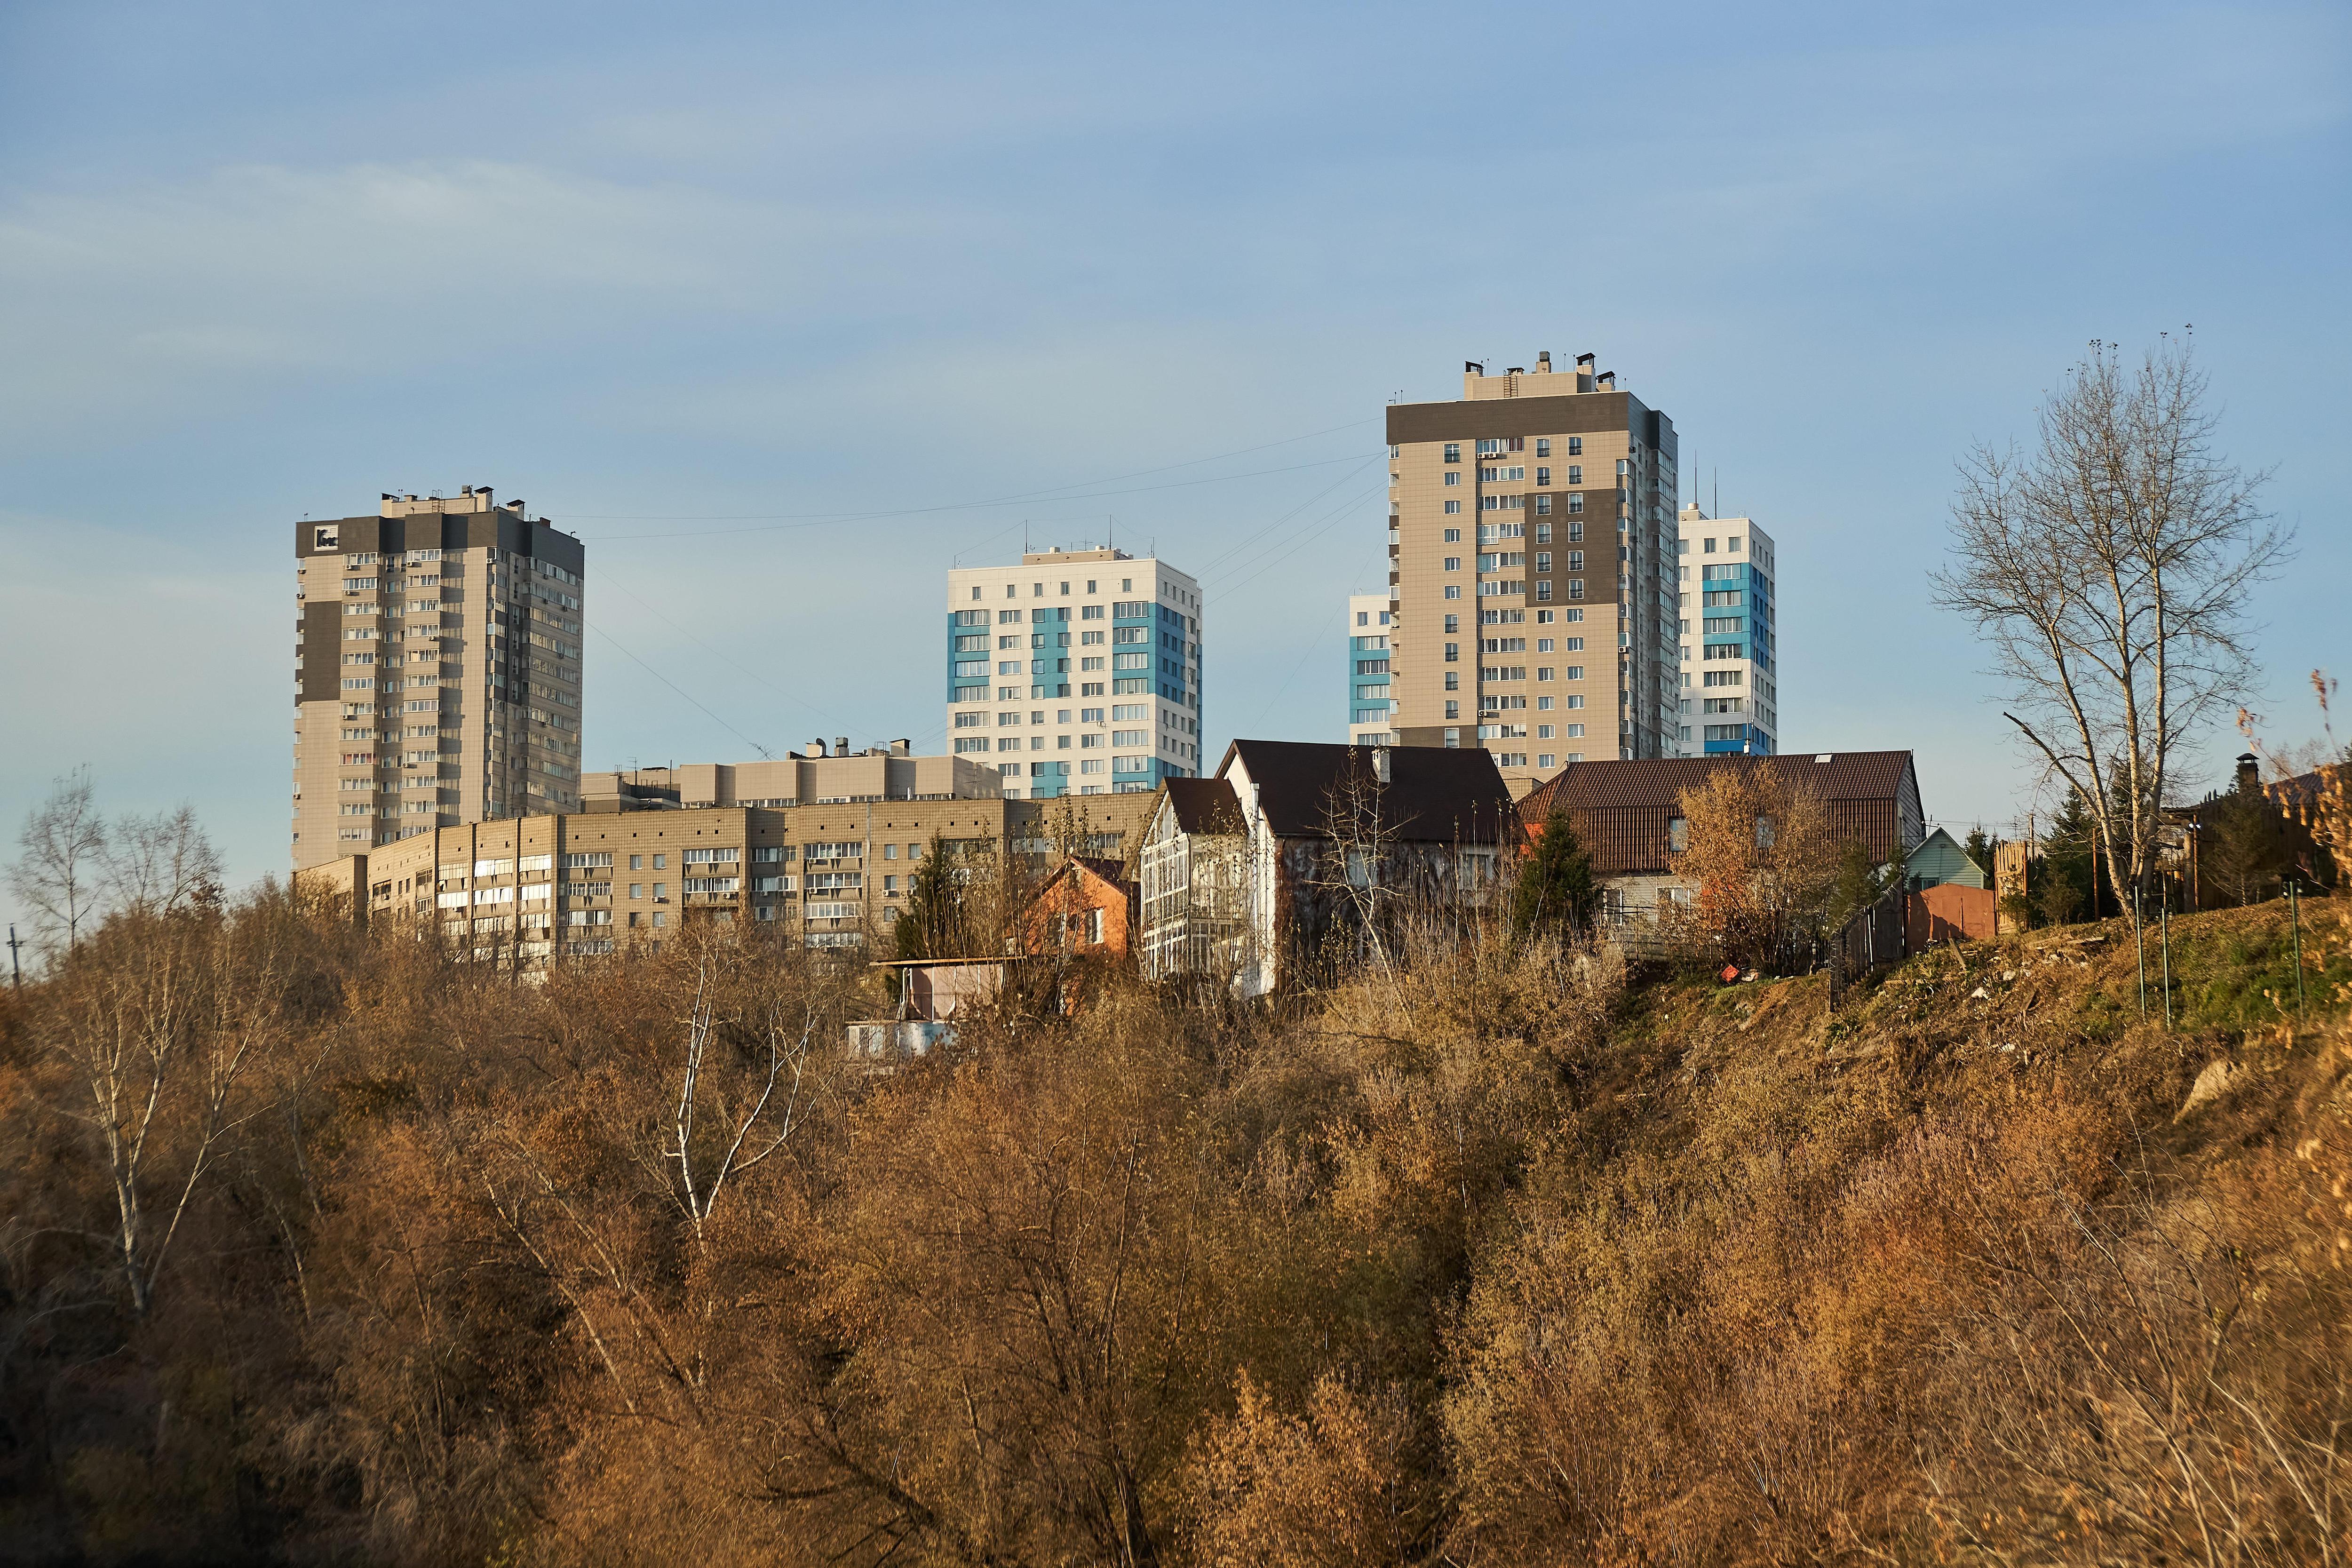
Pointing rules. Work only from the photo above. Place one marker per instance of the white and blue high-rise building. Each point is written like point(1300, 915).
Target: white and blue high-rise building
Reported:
point(1728, 586)
point(1371, 708)
point(1076, 672)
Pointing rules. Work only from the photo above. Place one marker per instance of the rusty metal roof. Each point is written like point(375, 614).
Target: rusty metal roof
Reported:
point(1657, 781)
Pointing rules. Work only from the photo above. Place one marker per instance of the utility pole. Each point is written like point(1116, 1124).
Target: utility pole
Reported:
point(15, 974)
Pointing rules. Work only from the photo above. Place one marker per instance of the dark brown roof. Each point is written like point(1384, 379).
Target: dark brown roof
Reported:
point(1432, 794)
point(1623, 810)
point(1203, 805)
point(1658, 782)
point(1110, 871)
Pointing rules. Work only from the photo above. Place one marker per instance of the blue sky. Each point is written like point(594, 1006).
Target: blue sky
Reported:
point(700, 282)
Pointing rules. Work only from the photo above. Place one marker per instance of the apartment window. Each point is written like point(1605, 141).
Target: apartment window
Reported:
point(1576, 501)
point(1453, 536)
point(1454, 590)
point(1454, 451)
point(1453, 649)
point(1092, 612)
point(1572, 733)
point(1543, 506)
point(1453, 476)
point(1575, 701)
point(1454, 508)
point(1453, 563)
point(1543, 446)
point(1543, 478)
point(1575, 671)
point(636, 863)
point(1452, 711)
point(1576, 445)
point(1576, 587)
point(1453, 680)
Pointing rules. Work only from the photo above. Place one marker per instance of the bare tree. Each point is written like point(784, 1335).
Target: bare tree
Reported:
point(159, 1033)
point(159, 865)
point(1355, 873)
point(2110, 569)
point(64, 844)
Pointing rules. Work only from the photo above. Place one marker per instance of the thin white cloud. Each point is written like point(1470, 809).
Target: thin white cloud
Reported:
point(163, 295)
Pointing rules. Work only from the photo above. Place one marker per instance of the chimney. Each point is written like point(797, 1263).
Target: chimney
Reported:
point(1543, 362)
point(2249, 773)
point(1381, 764)
point(1472, 367)
point(816, 747)
point(1606, 381)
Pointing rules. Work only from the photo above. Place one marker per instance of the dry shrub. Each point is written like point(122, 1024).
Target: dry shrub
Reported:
point(1523, 1267)
point(1336, 1485)
point(1761, 859)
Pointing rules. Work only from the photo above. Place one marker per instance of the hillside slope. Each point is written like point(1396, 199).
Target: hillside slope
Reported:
point(1981, 1267)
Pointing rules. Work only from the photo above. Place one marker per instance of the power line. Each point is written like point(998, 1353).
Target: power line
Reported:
point(1080, 484)
point(681, 690)
point(1264, 561)
point(1258, 538)
point(790, 521)
point(740, 670)
point(1294, 668)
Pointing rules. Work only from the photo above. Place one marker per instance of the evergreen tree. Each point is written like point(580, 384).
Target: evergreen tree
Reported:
point(929, 926)
point(1555, 888)
point(1858, 883)
point(1979, 846)
point(2069, 863)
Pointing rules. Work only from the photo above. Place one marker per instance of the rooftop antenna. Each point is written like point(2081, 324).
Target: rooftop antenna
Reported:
point(1718, 492)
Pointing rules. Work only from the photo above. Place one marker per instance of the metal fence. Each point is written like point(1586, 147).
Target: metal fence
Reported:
point(1877, 933)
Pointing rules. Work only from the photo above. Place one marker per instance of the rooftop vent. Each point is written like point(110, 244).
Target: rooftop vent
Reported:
point(1584, 359)
point(1825, 756)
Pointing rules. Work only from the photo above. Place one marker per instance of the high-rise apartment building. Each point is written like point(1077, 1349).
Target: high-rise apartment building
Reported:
point(1368, 704)
point(1730, 697)
point(437, 671)
point(1531, 556)
point(1076, 672)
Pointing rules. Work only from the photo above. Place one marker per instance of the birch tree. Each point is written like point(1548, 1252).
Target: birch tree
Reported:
point(2110, 569)
point(59, 873)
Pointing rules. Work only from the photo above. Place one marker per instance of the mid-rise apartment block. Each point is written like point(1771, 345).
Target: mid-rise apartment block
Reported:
point(1531, 558)
point(1076, 672)
point(437, 670)
point(1730, 697)
point(819, 776)
point(832, 874)
point(1369, 706)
